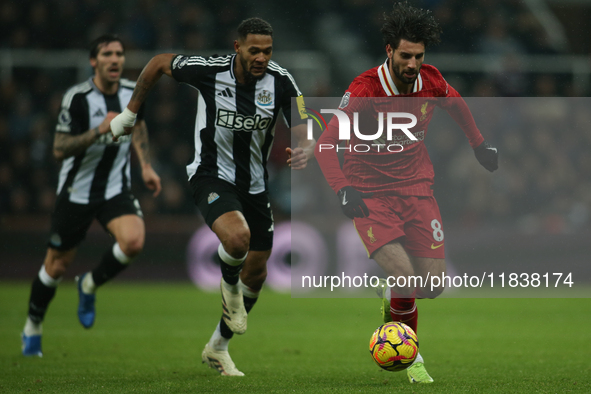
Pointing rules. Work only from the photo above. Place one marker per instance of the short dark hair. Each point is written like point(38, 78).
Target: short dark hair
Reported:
point(410, 23)
point(104, 39)
point(254, 26)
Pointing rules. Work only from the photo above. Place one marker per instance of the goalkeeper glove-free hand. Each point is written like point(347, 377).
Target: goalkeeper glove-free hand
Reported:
point(352, 202)
point(487, 156)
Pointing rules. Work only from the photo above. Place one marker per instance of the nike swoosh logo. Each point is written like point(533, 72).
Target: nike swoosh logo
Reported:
point(492, 149)
point(345, 198)
point(435, 247)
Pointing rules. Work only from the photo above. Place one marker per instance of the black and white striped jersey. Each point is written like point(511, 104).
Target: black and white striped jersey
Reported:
point(235, 123)
point(102, 171)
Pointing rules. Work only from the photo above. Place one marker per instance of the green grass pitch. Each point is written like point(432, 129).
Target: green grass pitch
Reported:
point(148, 337)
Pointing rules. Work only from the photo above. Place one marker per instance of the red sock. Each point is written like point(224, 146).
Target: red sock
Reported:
point(404, 310)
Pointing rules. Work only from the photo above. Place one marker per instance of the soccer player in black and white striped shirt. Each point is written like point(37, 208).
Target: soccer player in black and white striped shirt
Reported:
point(240, 97)
point(94, 182)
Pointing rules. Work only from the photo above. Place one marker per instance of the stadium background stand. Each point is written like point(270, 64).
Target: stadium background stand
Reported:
point(543, 186)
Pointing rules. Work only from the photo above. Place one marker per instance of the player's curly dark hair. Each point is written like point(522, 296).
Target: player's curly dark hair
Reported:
point(254, 26)
point(410, 23)
point(104, 39)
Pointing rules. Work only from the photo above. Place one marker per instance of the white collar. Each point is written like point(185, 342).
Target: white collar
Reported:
point(388, 84)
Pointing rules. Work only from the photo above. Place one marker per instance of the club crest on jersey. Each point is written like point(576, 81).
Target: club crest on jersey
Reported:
point(424, 111)
point(213, 196)
point(236, 121)
point(264, 98)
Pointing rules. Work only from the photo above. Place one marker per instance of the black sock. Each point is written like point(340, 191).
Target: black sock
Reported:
point(41, 296)
point(249, 303)
point(224, 329)
point(108, 268)
point(230, 273)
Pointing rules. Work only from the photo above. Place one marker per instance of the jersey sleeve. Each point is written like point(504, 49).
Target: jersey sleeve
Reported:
point(73, 115)
point(354, 100)
point(457, 108)
point(189, 69)
point(327, 158)
point(290, 89)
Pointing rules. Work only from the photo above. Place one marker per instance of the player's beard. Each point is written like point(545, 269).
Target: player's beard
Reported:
point(400, 76)
point(249, 78)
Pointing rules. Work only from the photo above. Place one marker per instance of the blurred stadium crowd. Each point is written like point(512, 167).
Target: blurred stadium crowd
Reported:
point(543, 169)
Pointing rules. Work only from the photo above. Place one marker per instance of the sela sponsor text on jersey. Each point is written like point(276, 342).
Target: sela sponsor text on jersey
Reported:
point(235, 121)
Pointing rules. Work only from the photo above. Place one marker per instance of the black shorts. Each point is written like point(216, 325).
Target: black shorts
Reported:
point(71, 221)
point(214, 197)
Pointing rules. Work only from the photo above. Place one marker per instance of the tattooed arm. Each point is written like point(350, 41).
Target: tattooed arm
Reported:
point(158, 65)
point(66, 145)
point(140, 142)
point(142, 148)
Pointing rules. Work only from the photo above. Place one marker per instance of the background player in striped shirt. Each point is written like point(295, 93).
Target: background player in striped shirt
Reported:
point(388, 194)
point(239, 100)
point(94, 182)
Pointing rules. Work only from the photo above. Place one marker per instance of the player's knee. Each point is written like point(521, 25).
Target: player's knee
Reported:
point(437, 291)
point(237, 244)
point(400, 278)
point(56, 267)
point(255, 277)
point(56, 262)
point(260, 274)
point(133, 246)
point(430, 292)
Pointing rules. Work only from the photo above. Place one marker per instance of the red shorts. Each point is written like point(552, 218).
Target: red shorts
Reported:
point(414, 221)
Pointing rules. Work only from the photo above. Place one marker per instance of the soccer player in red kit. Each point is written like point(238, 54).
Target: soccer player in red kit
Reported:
point(385, 187)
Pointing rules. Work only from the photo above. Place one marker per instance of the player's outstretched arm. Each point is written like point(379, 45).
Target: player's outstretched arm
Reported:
point(298, 158)
point(350, 199)
point(141, 145)
point(327, 158)
point(158, 65)
point(486, 154)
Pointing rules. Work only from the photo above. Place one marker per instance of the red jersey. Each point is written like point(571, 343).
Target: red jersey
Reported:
point(371, 167)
